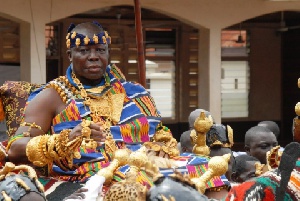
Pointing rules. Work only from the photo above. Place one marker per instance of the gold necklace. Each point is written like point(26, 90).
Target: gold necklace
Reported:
point(100, 107)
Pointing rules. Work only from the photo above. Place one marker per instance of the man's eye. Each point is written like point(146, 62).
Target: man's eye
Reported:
point(100, 49)
point(264, 146)
point(83, 50)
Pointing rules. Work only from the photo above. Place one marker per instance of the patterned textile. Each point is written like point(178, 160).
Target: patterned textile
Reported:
point(138, 120)
point(265, 187)
point(14, 95)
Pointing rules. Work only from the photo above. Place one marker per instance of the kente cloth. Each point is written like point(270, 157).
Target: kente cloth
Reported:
point(137, 124)
point(264, 188)
point(195, 166)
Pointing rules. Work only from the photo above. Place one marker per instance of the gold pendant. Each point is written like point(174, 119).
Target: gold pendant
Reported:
point(99, 108)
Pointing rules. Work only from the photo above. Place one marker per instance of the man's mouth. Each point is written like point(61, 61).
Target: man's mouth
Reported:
point(94, 69)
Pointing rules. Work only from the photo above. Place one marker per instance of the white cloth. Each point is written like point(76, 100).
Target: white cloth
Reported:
point(94, 186)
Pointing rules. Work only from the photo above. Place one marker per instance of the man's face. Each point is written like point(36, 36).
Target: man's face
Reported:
point(249, 172)
point(89, 62)
point(261, 143)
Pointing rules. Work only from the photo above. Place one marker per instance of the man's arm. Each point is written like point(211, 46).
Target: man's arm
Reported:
point(40, 111)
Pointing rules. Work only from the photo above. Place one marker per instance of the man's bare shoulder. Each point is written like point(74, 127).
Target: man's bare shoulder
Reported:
point(47, 98)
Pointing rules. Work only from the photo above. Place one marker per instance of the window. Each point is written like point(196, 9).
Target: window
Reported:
point(160, 69)
point(235, 74)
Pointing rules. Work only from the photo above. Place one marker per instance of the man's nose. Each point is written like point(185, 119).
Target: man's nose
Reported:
point(94, 56)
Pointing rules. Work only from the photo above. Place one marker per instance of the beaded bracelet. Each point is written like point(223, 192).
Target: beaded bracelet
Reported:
point(14, 138)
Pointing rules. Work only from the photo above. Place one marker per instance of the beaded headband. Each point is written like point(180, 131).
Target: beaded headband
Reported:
point(76, 39)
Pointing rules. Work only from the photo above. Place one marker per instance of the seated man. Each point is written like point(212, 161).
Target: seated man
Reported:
point(245, 167)
point(80, 110)
point(75, 124)
point(258, 141)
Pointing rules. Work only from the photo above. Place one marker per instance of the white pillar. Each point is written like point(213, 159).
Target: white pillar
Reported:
point(210, 71)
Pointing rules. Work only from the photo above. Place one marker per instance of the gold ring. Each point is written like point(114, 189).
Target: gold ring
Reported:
point(86, 132)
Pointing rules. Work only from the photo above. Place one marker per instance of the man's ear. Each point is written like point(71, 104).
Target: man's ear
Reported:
point(69, 55)
point(247, 149)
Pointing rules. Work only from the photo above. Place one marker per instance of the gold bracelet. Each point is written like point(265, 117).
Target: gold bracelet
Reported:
point(34, 151)
point(31, 125)
point(61, 142)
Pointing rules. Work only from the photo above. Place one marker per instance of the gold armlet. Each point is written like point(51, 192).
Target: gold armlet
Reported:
point(45, 149)
point(35, 151)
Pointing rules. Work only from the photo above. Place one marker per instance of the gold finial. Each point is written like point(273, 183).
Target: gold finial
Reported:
point(86, 40)
point(202, 125)
point(297, 108)
point(95, 39)
point(119, 159)
point(217, 166)
point(9, 167)
point(129, 189)
point(138, 158)
point(298, 82)
point(73, 35)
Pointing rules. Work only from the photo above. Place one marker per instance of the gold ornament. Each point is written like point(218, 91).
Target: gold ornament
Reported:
point(73, 35)
point(119, 159)
point(273, 158)
point(95, 39)
point(296, 129)
point(297, 109)
point(87, 142)
point(163, 141)
point(45, 149)
point(202, 125)
point(217, 166)
point(259, 168)
point(77, 43)
point(86, 40)
point(106, 109)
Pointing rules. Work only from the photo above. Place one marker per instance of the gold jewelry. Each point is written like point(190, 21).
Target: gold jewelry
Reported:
point(259, 168)
point(45, 149)
point(201, 125)
point(34, 151)
point(120, 158)
point(217, 166)
point(31, 125)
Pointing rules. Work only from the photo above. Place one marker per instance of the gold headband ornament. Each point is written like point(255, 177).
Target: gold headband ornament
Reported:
point(75, 39)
